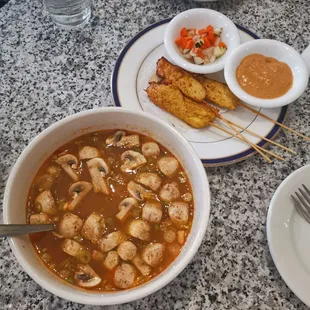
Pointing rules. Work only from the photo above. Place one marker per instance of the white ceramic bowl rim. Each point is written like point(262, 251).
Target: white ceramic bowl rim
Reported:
point(296, 90)
point(185, 64)
point(143, 290)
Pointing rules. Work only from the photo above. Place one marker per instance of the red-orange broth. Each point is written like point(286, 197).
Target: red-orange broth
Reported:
point(91, 266)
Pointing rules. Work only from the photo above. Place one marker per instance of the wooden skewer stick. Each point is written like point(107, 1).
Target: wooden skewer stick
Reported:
point(263, 138)
point(236, 136)
point(275, 122)
point(241, 135)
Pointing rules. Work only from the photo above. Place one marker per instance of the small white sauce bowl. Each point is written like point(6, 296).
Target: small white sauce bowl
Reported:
point(63, 131)
point(201, 18)
point(269, 48)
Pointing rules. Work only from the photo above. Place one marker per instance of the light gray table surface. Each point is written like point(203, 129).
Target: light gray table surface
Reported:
point(47, 73)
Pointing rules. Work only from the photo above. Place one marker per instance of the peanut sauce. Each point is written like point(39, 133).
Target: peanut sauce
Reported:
point(264, 77)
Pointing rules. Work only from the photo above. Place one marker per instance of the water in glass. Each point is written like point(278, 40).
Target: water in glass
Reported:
point(69, 13)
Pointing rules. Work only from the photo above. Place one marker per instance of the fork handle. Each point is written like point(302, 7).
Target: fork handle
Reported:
point(11, 230)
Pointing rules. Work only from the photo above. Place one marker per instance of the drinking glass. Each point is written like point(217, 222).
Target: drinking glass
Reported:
point(69, 13)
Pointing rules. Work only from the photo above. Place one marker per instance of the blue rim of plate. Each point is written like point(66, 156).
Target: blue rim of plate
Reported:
point(206, 162)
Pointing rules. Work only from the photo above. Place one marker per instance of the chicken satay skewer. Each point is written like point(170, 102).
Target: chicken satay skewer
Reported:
point(263, 138)
point(236, 136)
point(241, 135)
point(274, 121)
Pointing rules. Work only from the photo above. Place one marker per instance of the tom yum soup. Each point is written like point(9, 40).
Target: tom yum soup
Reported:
point(122, 207)
point(264, 77)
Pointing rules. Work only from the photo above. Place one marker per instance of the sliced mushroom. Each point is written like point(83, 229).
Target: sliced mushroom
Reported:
point(152, 212)
point(117, 136)
point(111, 260)
point(132, 160)
point(169, 192)
point(124, 276)
point(98, 170)
point(129, 141)
point(153, 254)
point(168, 166)
point(70, 247)
point(44, 182)
point(126, 250)
point(70, 225)
point(89, 152)
point(181, 236)
point(149, 179)
point(93, 227)
point(40, 218)
point(85, 276)
point(142, 266)
point(150, 149)
point(78, 191)
point(70, 164)
point(139, 192)
point(111, 241)
point(45, 202)
point(170, 236)
point(139, 229)
point(174, 249)
point(125, 207)
point(179, 213)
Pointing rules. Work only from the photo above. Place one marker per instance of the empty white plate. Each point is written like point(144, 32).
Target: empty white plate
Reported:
point(289, 236)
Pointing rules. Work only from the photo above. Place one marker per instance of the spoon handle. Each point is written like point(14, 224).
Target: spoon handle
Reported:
point(11, 230)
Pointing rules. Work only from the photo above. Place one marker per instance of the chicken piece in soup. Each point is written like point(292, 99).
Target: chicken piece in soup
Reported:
point(122, 207)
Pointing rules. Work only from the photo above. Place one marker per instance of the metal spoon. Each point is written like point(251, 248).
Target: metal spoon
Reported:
point(11, 230)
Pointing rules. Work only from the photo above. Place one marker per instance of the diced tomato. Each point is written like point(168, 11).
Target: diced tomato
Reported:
point(222, 44)
point(184, 32)
point(210, 28)
point(202, 31)
point(206, 43)
point(211, 37)
point(189, 44)
point(178, 41)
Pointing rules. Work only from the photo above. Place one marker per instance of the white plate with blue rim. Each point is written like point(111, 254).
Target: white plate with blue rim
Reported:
point(135, 66)
point(288, 235)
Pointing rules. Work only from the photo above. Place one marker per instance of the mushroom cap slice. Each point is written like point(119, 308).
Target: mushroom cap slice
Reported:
point(153, 254)
point(70, 164)
point(111, 260)
point(98, 170)
point(141, 265)
point(85, 276)
point(89, 152)
point(129, 141)
point(152, 212)
point(126, 250)
point(124, 276)
point(45, 202)
point(70, 247)
point(149, 179)
point(132, 160)
point(125, 207)
point(139, 229)
point(115, 138)
point(70, 225)
point(169, 192)
point(93, 227)
point(111, 241)
point(179, 213)
point(139, 192)
point(168, 165)
point(78, 191)
point(150, 149)
point(39, 218)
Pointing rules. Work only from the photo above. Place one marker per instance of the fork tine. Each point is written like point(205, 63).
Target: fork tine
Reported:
point(299, 209)
point(305, 196)
point(301, 199)
point(306, 189)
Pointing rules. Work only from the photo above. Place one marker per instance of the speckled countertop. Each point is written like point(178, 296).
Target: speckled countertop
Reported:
point(47, 73)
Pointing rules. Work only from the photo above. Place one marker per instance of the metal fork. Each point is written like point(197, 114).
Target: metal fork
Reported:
point(302, 202)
